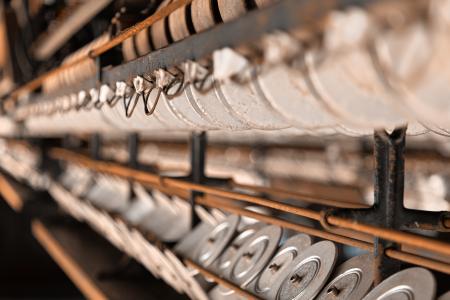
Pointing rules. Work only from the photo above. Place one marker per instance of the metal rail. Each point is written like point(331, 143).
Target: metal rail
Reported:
point(219, 280)
point(396, 236)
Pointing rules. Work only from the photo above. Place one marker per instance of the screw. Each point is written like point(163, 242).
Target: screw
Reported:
point(334, 291)
point(274, 267)
point(295, 279)
point(248, 255)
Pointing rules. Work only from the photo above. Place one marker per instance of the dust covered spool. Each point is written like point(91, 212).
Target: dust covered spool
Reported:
point(196, 17)
point(79, 72)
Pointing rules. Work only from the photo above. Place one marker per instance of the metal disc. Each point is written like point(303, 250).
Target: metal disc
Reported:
point(138, 241)
point(191, 287)
point(266, 286)
point(410, 284)
point(169, 220)
point(181, 107)
point(249, 106)
point(310, 270)
point(253, 256)
point(224, 261)
point(351, 280)
point(289, 94)
point(163, 267)
point(211, 106)
point(187, 246)
point(216, 241)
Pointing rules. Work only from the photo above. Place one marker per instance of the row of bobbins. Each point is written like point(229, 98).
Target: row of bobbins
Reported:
point(81, 71)
point(331, 95)
point(185, 21)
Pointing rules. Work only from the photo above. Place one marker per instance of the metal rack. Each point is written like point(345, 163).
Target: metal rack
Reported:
point(381, 239)
point(220, 198)
point(388, 230)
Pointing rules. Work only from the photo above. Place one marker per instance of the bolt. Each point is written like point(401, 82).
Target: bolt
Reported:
point(334, 291)
point(295, 279)
point(248, 255)
point(274, 267)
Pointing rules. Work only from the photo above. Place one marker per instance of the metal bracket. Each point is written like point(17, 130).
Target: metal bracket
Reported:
point(133, 150)
point(388, 210)
point(198, 145)
point(95, 143)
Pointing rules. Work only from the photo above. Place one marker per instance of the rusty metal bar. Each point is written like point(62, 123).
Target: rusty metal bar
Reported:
point(10, 194)
point(418, 260)
point(219, 280)
point(146, 177)
point(384, 233)
point(400, 237)
point(286, 224)
point(302, 197)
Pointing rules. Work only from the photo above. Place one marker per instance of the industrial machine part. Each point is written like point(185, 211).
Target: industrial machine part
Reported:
point(265, 149)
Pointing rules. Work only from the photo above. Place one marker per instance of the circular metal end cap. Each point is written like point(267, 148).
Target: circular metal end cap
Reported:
point(254, 254)
point(351, 280)
point(216, 241)
point(410, 284)
point(224, 261)
point(310, 270)
point(267, 285)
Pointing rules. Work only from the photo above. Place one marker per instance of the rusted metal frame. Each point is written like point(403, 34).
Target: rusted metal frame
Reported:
point(388, 210)
point(234, 209)
point(145, 177)
point(393, 235)
point(133, 150)
point(171, 186)
point(95, 144)
point(405, 238)
point(197, 171)
point(198, 152)
point(300, 196)
point(152, 238)
point(408, 239)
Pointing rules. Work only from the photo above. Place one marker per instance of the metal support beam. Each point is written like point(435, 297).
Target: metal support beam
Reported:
point(133, 150)
point(95, 146)
point(197, 173)
point(388, 210)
